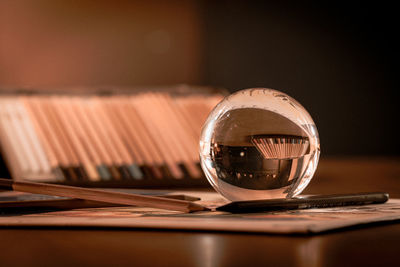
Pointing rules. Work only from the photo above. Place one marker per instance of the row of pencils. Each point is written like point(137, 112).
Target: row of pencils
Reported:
point(281, 147)
point(103, 138)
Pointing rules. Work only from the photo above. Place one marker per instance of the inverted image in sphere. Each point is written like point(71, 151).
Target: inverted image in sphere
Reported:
point(259, 144)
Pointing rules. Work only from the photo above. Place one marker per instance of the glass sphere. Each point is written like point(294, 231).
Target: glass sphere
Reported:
point(259, 144)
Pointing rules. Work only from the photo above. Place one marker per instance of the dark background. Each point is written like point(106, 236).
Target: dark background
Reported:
point(340, 60)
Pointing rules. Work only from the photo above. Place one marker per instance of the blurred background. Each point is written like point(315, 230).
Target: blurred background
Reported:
point(340, 60)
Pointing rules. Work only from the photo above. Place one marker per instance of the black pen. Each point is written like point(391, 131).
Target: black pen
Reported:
point(306, 202)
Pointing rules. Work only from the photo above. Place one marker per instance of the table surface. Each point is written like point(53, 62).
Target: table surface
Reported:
point(375, 245)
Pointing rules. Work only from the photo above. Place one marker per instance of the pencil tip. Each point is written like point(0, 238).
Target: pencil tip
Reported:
point(193, 207)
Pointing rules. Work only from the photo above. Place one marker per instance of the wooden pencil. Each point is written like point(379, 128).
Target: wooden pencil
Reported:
point(122, 109)
point(106, 140)
point(118, 125)
point(77, 104)
point(76, 143)
point(42, 134)
point(181, 137)
point(60, 132)
point(80, 131)
point(37, 148)
point(146, 117)
point(184, 104)
point(101, 195)
point(94, 136)
point(21, 136)
point(121, 157)
point(191, 140)
point(114, 136)
point(11, 139)
point(165, 127)
point(156, 159)
point(156, 129)
point(38, 110)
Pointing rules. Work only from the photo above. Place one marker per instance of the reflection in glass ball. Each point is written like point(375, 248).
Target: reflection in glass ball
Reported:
point(259, 144)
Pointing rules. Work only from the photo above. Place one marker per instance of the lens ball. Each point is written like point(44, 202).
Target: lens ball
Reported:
point(259, 144)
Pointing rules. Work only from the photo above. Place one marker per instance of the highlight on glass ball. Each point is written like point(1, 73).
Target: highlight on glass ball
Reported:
point(259, 144)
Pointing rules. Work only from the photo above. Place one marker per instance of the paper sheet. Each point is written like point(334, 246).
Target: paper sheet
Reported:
point(282, 222)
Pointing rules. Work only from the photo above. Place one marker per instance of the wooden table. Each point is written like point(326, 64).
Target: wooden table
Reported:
point(376, 245)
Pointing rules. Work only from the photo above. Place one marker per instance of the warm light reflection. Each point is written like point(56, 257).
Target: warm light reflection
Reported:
point(309, 253)
point(209, 250)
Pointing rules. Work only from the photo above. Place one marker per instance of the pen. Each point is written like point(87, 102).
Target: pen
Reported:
point(307, 202)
